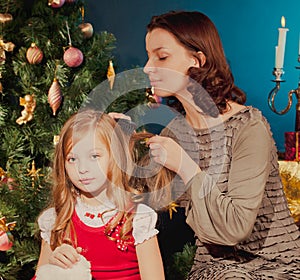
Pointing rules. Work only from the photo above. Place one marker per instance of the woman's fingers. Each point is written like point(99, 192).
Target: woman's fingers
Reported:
point(115, 115)
point(167, 152)
point(158, 153)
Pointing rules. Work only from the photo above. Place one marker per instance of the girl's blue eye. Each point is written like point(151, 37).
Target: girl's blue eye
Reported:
point(71, 159)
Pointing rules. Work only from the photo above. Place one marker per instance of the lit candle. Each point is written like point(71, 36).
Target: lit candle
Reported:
point(281, 44)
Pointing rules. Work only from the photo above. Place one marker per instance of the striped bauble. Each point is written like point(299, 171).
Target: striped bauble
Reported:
point(34, 55)
point(54, 96)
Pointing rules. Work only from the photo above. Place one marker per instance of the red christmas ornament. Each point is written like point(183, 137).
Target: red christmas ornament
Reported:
point(5, 243)
point(10, 182)
point(56, 3)
point(54, 96)
point(73, 57)
point(34, 55)
point(6, 237)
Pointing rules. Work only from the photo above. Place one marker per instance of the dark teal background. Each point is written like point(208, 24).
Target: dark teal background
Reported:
point(249, 31)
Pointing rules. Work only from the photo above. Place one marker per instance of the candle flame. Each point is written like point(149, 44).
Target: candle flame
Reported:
point(283, 21)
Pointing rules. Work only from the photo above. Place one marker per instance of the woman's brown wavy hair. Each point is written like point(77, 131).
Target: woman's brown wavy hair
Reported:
point(64, 193)
point(197, 33)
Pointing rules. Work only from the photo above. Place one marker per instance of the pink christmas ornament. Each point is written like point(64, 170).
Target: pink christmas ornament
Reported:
point(56, 3)
point(54, 96)
point(5, 243)
point(73, 57)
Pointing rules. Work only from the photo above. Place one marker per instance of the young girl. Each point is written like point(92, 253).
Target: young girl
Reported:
point(93, 212)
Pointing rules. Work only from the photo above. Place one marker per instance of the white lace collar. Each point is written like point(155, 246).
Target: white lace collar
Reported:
point(95, 216)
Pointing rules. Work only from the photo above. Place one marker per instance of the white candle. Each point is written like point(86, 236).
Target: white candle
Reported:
point(281, 44)
point(276, 60)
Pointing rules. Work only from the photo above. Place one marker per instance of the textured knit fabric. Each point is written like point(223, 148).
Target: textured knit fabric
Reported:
point(245, 227)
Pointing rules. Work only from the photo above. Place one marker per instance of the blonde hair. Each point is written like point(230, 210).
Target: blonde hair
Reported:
point(120, 168)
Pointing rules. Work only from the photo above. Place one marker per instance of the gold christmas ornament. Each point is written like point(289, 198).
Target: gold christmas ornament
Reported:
point(34, 55)
point(4, 18)
point(55, 139)
point(86, 29)
point(29, 104)
point(5, 47)
point(54, 96)
point(111, 74)
point(2, 173)
point(172, 208)
point(34, 173)
point(6, 226)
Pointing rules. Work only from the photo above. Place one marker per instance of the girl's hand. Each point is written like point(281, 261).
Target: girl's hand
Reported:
point(65, 256)
point(167, 152)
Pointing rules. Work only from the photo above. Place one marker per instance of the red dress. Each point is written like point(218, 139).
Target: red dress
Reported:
point(107, 260)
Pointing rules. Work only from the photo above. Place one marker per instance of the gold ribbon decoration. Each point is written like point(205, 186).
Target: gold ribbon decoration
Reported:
point(5, 47)
point(4, 18)
point(2, 173)
point(50, 2)
point(6, 227)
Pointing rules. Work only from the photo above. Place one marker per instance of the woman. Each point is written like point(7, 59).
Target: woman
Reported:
point(223, 154)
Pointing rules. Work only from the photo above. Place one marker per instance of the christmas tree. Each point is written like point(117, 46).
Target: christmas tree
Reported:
point(50, 60)
point(51, 63)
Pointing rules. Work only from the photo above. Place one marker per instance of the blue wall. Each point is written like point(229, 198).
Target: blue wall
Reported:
point(249, 31)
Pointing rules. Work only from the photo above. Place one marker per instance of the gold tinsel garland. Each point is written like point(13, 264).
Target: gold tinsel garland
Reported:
point(290, 176)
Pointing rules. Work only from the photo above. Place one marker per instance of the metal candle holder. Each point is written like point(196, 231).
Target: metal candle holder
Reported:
point(278, 72)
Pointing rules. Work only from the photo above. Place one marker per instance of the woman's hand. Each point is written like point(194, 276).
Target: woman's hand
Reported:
point(65, 256)
point(167, 152)
point(115, 115)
